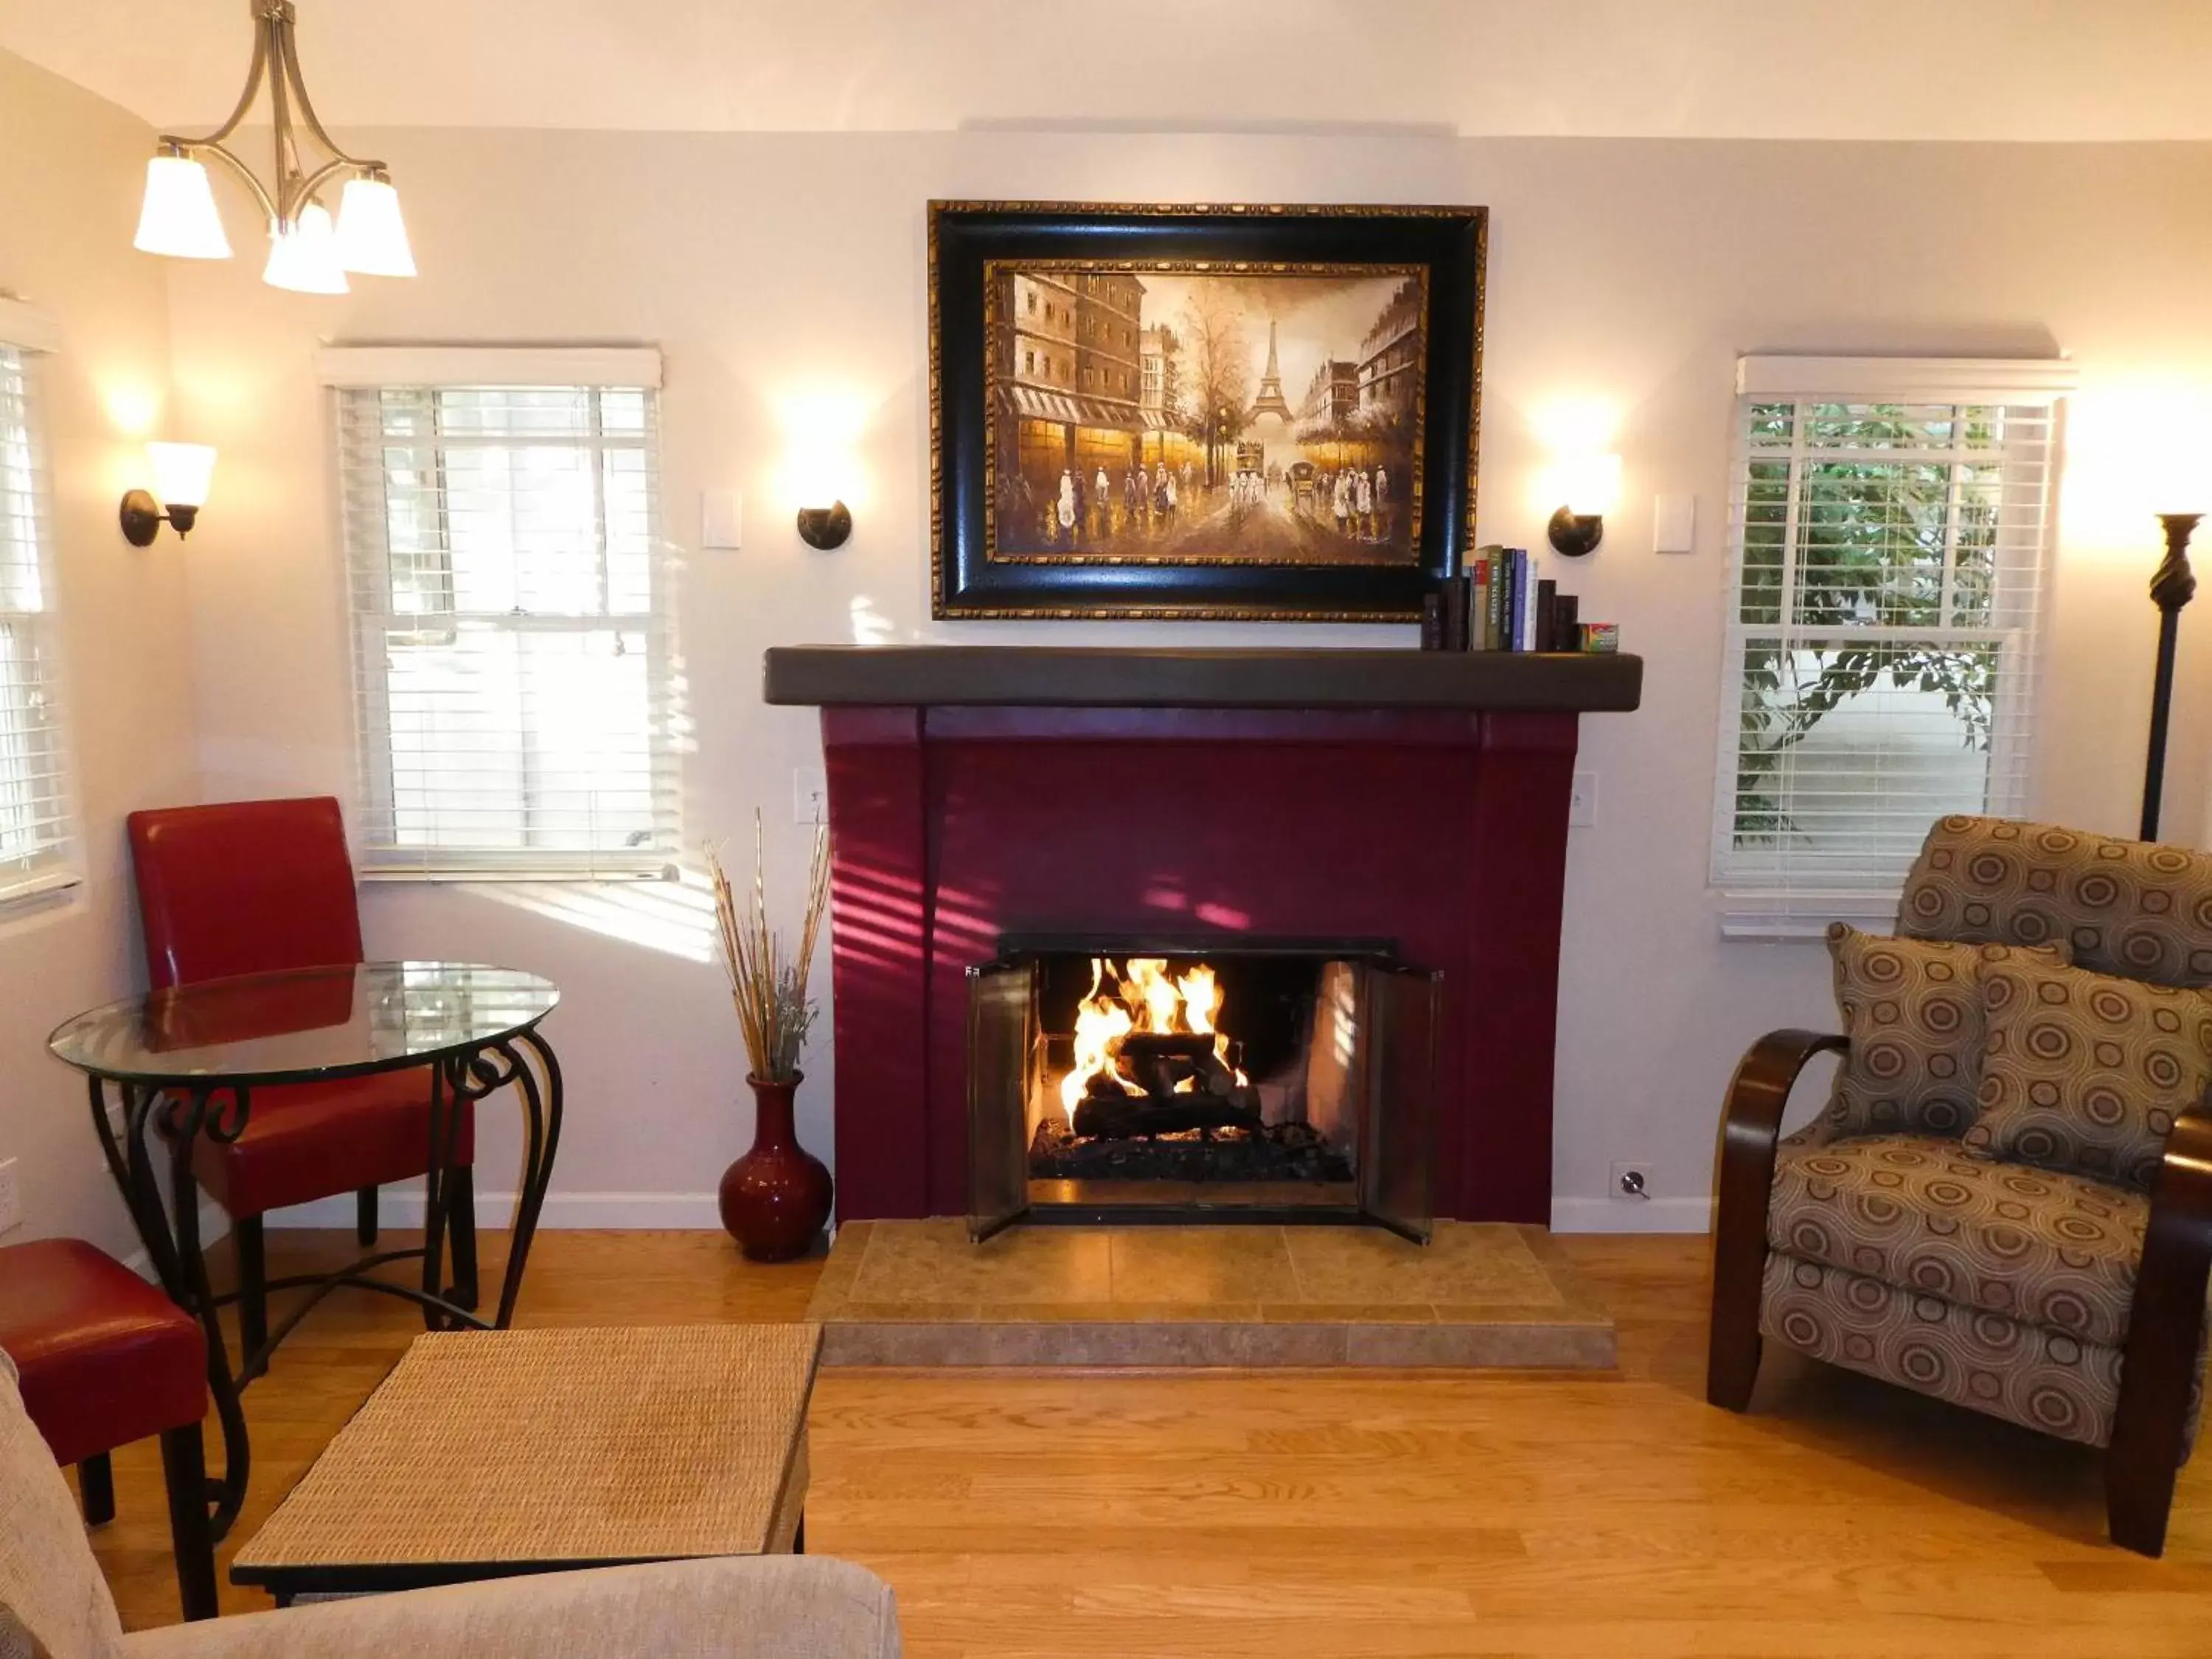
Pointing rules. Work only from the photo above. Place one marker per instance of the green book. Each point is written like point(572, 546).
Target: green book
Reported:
point(1492, 557)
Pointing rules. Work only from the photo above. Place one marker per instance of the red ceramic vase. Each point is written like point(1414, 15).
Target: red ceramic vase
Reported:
point(776, 1197)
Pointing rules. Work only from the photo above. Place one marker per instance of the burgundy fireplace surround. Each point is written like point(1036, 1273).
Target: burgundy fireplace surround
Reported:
point(977, 793)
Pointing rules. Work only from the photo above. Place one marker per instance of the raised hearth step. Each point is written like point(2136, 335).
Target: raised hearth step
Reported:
point(1481, 1295)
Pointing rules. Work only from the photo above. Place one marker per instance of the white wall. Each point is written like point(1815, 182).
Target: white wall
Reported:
point(70, 167)
point(772, 269)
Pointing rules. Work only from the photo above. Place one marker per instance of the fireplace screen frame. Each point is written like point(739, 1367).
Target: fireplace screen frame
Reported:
point(1397, 1011)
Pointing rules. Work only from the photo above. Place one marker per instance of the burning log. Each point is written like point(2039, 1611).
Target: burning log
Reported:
point(1156, 1061)
point(1134, 1117)
point(1148, 1058)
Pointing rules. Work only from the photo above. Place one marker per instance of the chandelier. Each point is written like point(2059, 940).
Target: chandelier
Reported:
point(309, 252)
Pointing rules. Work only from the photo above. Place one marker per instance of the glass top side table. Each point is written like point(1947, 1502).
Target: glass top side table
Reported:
point(185, 1061)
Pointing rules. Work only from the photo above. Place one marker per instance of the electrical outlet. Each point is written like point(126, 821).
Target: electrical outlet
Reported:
point(810, 794)
point(11, 1197)
point(1581, 805)
point(1630, 1184)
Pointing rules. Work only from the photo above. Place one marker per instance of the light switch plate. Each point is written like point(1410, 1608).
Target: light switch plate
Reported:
point(11, 1197)
point(1674, 524)
point(722, 518)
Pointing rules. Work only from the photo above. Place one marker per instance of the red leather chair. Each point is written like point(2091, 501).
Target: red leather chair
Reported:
point(104, 1358)
point(251, 887)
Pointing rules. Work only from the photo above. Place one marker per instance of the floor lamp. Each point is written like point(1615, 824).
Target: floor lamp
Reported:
point(2172, 585)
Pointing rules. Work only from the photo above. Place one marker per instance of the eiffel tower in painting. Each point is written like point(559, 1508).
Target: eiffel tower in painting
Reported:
point(1270, 400)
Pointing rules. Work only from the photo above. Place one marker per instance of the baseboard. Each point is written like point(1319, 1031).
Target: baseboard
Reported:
point(400, 1206)
point(1647, 1215)
point(215, 1222)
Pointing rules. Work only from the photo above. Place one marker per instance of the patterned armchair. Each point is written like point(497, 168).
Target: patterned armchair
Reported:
point(2007, 1202)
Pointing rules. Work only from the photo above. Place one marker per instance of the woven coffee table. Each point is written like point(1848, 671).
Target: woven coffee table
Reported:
point(486, 1454)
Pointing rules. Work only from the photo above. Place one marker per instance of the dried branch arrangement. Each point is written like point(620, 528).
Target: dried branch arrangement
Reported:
point(768, 987)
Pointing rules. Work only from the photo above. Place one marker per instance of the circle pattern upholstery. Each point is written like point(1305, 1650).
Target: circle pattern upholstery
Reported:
point(1916, 1212)
point(2139, 909)
point(1913, 1013)
point(2085, 1073)
point(2040, 1378)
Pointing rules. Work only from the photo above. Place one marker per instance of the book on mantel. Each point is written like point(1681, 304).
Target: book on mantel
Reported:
point(1501, 604)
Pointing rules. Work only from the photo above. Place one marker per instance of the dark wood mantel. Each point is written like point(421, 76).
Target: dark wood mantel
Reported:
point(1117, 676)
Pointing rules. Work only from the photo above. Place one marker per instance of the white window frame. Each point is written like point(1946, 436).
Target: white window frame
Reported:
point(1757, 898)
point(43, 877)
point(343, 368)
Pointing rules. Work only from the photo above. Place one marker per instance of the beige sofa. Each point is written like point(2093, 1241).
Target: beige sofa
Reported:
point(55, 1605)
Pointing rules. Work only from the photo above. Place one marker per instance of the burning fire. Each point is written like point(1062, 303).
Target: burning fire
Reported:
point(1144, 997)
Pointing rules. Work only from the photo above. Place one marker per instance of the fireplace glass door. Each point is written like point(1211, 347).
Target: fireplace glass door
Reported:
point(1116, 1082)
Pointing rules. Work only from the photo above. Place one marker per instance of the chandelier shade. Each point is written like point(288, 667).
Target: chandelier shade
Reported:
point(307, 253)
point(303, 257)
point(178, 218)
point(371, 237)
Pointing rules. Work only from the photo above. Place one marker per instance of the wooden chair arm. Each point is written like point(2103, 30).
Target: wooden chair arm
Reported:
point(1751, 1123)
point(2166, 1325)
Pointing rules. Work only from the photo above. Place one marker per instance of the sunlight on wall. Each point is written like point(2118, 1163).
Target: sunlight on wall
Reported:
point(870, 625)
point(675, 918)
point(2134, 450)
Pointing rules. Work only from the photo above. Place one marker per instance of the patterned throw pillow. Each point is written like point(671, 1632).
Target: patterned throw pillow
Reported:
point(2085, 1073)
point(1911, 1011)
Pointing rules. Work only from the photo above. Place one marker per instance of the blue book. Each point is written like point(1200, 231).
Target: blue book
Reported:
point(1509, 606)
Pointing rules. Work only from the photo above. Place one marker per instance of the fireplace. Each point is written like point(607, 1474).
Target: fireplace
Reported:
point(982, 798)
point(1201, 1080)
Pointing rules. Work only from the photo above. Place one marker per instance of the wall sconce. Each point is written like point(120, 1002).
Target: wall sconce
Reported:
point(181, 472)
point(1590, 484)
point(825, 527)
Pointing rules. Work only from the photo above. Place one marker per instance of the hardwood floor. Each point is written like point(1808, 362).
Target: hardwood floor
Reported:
point(1284, 1514)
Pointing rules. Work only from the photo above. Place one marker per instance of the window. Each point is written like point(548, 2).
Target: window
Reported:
point(37, 849)
point(1889, 535)
point(514, 668)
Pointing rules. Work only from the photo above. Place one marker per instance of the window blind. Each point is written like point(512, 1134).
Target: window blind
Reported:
point(513, 633)
point(37, 849)
point(1888, 552)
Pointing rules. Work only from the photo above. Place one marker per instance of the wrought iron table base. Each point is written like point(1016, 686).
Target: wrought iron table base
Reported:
point(170, 1230)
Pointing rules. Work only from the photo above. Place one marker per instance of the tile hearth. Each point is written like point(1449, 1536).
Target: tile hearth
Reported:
point(919, 1293)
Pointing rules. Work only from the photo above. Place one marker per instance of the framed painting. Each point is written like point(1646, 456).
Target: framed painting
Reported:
point(1246, 413)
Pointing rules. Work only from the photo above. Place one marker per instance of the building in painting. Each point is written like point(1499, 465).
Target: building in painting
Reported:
point(1159, 399)
point(1155, 387)
point(1069, 378)
point(1037, 317)
point(1333, 397)
point(1390, 356)
point(1108, 320)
